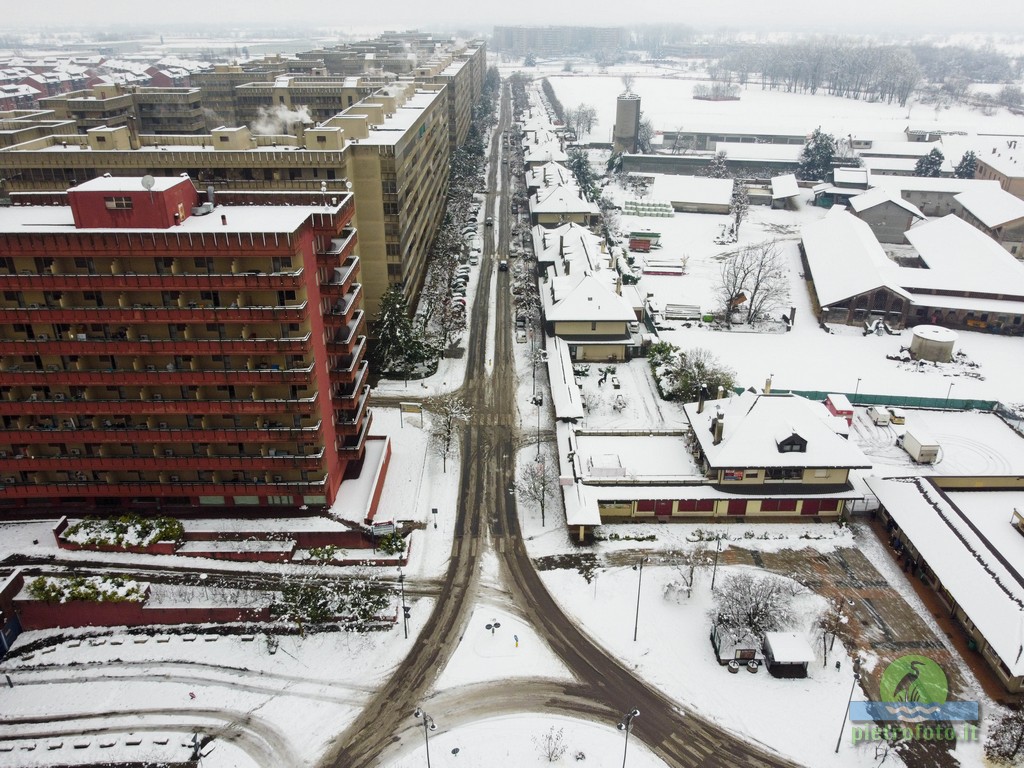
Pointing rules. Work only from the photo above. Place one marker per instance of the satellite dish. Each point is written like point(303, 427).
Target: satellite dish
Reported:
point(348, 185)
point(148, 182)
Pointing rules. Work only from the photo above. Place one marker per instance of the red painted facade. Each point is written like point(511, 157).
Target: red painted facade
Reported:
point(152, 357)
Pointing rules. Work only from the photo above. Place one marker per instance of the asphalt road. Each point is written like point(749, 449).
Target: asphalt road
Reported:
point(486, 519)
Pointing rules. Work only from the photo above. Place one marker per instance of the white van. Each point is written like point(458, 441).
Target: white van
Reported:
point(879, 415)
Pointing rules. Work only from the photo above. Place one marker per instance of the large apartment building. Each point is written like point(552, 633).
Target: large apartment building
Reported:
point(392, 148)
point(162, 347)
point(152, 110)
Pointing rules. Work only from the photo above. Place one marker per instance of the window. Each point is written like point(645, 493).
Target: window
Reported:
point(224, 139)
point(120, 203)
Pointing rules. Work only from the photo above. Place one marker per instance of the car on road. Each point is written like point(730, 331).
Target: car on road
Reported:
point(503, 266)
point(489, 222)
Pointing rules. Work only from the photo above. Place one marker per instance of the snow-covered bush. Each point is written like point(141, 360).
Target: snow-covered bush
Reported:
point(97, 589)
point(124, 531)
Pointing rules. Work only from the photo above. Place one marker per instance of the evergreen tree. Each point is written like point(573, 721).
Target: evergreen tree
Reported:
point(400, 347)
point(967, 165)
point(579, 164)
point(718, 168)
point(930, 164)
point(816, 158)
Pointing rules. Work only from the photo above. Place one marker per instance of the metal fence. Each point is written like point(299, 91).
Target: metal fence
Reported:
point(902, 401)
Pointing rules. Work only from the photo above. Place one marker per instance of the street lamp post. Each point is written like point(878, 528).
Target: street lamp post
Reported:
point(846, 712)
point(640, 579)
point(626, 725)
point(855, 391)
point(714, 570)
point(405, 611)
point(428, 725)
point(945, 405)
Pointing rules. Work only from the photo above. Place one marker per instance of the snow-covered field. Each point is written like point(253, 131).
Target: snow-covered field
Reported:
point(666, 98)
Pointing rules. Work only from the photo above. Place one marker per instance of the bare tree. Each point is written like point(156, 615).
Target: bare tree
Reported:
point(832, 623)
point(628, 80)
point(449, 414)
point(747, 606)
point(687, 564)
point(551, 744)
point(1005, 739)
point(739, 206)
point(733, 277)
point(537, 481)
point(767, 285)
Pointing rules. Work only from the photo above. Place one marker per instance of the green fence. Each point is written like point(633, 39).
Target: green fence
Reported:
point(899, 401)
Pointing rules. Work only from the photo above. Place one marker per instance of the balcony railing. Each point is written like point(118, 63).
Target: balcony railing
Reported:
point(156, 375)
point(12, 489)
point(346, 396)
point(338, 249)
point(139, 313)
point(143, 345)
point(341, 278)
point(275, 463)
point(154, 407)
point(159, 282)
point(346, 368)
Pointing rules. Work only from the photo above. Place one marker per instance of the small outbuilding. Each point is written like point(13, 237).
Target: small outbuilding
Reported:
point(933, 342)
point(840, 405)
point(787, 654)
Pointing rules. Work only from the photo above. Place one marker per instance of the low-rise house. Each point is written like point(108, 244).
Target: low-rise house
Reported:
point(774, 455)
point(691, 194)
point(1005, 166)
point(888, 215)
point(961, 278)
point(557, 205)
point(997, 213)
point(591, 318)
point(785, 191)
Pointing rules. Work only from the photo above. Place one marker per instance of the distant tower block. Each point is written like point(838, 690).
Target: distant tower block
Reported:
point(627, 123)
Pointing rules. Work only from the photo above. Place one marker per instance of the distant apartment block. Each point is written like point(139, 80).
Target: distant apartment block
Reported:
point(555, 41)
point(161, 348)
point(393, 148)
point(152, 110)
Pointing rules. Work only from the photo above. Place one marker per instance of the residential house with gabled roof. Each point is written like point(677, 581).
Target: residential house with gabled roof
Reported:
point(557, 205)
point(589, 316)
point(548, 175)
point(888, 214)
point(774, 455)
point(997, 213)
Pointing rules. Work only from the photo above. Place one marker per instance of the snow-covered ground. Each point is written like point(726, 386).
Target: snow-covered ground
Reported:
point(290, 702)
point(666, 98)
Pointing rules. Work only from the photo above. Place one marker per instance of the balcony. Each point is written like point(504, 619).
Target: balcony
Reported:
point(92, 345)
point(277, 464)
point(353, 448)
point(89, 408)
point(148, 314)
point(342, 310)
point(342, 278)
point(344, 339)
point(11, 489)
point(351, 422)
point(338, 249)
point(166, 282)
point(345, 369)
point(158, 376)
point(346, 397)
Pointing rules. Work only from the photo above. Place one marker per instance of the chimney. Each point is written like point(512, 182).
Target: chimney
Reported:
point(721, 391)
point(768, 385)
point(718, 425)
point(209, 195)
point(224, 219)
point(700, 401)
point(561, 245)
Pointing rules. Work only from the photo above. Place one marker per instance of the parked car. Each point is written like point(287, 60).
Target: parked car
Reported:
point(897, 416)
point(474, 258)
point(879, 415)
point(634, 327)
point(521, 322)
point(521, 336)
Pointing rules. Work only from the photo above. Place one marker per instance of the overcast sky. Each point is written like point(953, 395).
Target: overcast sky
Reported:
point(887, 16)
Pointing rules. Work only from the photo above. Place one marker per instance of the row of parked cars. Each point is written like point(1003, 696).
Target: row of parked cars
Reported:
point(459, 285)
